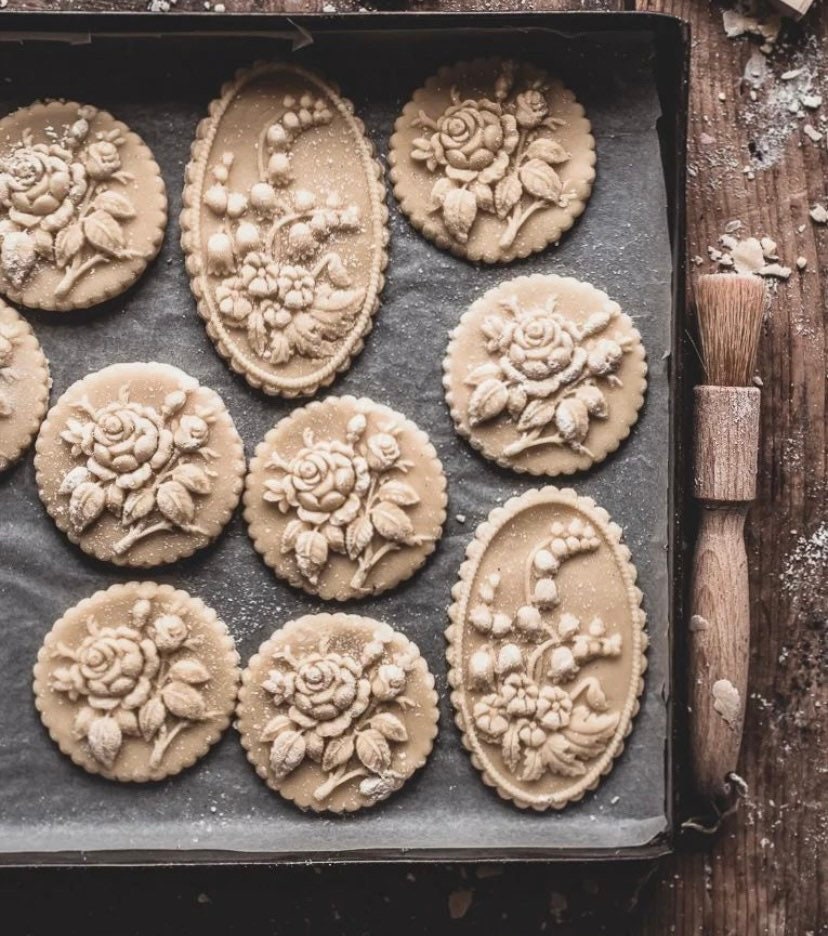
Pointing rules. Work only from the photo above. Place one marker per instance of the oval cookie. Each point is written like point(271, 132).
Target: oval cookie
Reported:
point(345, 498)
point(337, 711)
point(83, 206)
point(137, 682)
point(24, 385)
point(284, 228)
point(492, 159)
point(139, 465)
point(545, 374)
point(546, 647)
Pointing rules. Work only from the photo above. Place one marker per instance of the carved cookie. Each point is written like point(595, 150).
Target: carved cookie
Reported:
point(337, 711)
point(139, 465)
point(345, 498)
point(284, 228)
point(82, 206)
point(545, 374)
point(493, 160)
point(137, 682)
point(546, 647)
point(24, 385)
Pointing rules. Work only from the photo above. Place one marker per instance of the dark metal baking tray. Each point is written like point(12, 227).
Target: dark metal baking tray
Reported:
point(158, 74)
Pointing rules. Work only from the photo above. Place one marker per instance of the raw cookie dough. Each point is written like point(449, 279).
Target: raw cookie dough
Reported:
point(345, 498)
point(82, 206)
point(493, 159)
point(24, 385)
point(337, 711)
point(546, 647)
point(545, 374)
point(137, 682)
point(139, 465)
point(285, 228)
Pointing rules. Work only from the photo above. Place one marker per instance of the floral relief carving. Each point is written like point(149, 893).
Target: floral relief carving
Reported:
point(64, 202)
point(146, 466)
point(533, 694)
point(495, 156)
point(546, 372)
point(10, 333)
point(141, 679)
point(277, 278)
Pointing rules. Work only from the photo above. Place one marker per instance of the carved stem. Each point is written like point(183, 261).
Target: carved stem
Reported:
point(135, 535)
point(337, 779)
point(529, 441)
point(368, 561)
point(72, 275)
point(517, 221)
point(281, 222)
point(159, 749)
point(537, 654)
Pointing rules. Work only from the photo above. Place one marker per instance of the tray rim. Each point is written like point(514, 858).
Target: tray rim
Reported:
point(672, 46)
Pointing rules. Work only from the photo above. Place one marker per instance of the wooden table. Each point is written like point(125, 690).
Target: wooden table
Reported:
point(765, 872)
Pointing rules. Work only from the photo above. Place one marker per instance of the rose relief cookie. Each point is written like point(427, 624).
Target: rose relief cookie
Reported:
point(545, 374)
point(24, 385)
point(139, 465)
point(337, 711)
point(284, 228)
point(137, 682)
point(82, 206)
point(546, 647)
point(492, 159)
point(345, 498)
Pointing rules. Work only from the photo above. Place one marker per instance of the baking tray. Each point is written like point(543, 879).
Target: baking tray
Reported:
point(159, 74)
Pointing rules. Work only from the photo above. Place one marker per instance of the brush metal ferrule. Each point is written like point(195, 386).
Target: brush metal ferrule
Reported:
point(726, 443)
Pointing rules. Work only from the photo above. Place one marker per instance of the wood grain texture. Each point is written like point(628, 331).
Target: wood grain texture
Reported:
point(726, 443)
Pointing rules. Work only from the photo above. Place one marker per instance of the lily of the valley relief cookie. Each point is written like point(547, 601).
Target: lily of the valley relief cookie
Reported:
point(285, 229)
point(499, 142)
point(547, 648)
point(82, 206)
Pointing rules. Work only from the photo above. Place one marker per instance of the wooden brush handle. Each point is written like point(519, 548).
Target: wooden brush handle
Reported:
point(719, 647)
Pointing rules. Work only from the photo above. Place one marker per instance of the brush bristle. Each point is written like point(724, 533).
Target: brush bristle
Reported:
point(729, 307)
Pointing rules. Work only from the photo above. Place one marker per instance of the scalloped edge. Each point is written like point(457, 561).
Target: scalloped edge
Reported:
point(624, 429)
point(258, 377)
point(338, 617)
point(45, 384)
point(234, 460)
point(162, 213)
point(150, 590)
point(475, 551)
point(435, 232)
point(408, 425)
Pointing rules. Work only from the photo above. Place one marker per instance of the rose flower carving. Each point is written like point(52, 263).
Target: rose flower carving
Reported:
point(10, 332)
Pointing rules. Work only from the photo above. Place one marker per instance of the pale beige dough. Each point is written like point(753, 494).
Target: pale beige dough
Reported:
point(337, 711)
point(83, 206)
point(139, 465)
point(137, 682)
point(545, 374)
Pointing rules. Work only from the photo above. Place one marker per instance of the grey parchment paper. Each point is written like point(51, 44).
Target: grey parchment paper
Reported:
point(219, 810)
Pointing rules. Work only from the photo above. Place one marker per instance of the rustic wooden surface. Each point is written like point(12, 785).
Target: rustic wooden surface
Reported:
point(765, 871)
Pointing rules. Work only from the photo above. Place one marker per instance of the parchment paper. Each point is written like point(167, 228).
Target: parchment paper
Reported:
point(161, 88)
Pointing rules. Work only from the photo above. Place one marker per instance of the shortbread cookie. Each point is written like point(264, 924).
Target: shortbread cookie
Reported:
point(545, 374)
point(82, 206)
point(492, 160)
point(546, 647)
point(137, 682)
point(24, 385)
point(337, 711)
point(345, 498)
point(285, 228)
point(139, 465)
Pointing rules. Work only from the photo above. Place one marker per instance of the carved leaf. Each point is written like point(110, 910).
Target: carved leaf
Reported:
point(376, 788)
point(311, 554)
point(484, 195)
point(508, 193)
point(484, 372)
point(559, 757)
point(105, 738)
point(548, 150)
point(68, 243)
point(438, 193)
point(488, 401)
point(104, 233)
point(517, 401)
point(392, 523)
point(588, 733)
point(533, 765)
point(337, 752)
point(151, 717)
point(541, 180)
point(398, 492)
point(256, 332)
point(73, 478)
point(115, 204)
point(337, 299)
point(358, 535)
point(175, 502)
point(193, 477)
point(83, 720)
point(373, 751)
point(510, 747)
point(85, 505)
point(184, 701)
point(115, 500)
point(335, 536)
point(389, 726)
point(190, 671)
point(538, 413)
point(137, 505)
point(274, 728)
point(459, 212)
point(287, 753)
point(291, 534)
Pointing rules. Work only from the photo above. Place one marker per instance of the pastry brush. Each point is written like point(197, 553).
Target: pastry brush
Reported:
point(726, 446)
